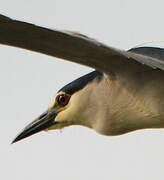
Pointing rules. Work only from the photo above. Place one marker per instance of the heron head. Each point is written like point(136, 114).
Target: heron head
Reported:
point(70, 106)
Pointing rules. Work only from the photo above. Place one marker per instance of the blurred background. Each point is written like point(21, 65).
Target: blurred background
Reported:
point(29, 80)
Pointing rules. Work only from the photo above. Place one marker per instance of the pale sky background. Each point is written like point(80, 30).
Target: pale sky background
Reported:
point(29, 81)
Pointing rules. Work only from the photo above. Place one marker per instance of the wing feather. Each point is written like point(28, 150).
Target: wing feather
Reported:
point(73, 47)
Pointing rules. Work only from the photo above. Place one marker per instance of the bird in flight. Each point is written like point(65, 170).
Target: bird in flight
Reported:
point(124, 93)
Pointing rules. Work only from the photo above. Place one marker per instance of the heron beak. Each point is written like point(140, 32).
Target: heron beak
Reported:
point(43, 122)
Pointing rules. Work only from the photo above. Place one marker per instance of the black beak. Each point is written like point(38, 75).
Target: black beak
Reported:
point(44, 121)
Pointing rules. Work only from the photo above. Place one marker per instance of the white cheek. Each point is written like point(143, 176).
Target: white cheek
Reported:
point(79, 108)
point(72, 112)
point(61, 116)
point(65, 115)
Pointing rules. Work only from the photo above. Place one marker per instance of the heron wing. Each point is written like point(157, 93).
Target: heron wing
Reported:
point(73, 47)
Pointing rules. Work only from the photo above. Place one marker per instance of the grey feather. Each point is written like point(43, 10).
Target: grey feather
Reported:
point(74, 47)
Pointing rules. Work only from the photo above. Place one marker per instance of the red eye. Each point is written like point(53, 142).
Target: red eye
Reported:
point(63, 99)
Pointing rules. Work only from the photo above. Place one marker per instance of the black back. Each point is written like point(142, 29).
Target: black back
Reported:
point(149, 51)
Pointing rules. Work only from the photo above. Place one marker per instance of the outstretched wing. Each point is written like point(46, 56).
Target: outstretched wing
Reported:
point(73, 47)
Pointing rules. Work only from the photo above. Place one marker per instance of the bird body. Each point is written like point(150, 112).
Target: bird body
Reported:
point(125, 93)
point(114, 107)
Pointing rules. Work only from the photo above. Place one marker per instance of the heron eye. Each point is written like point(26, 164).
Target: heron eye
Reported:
point(63, 99)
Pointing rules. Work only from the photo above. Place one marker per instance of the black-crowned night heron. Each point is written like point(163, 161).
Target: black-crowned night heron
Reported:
point(125, 93)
